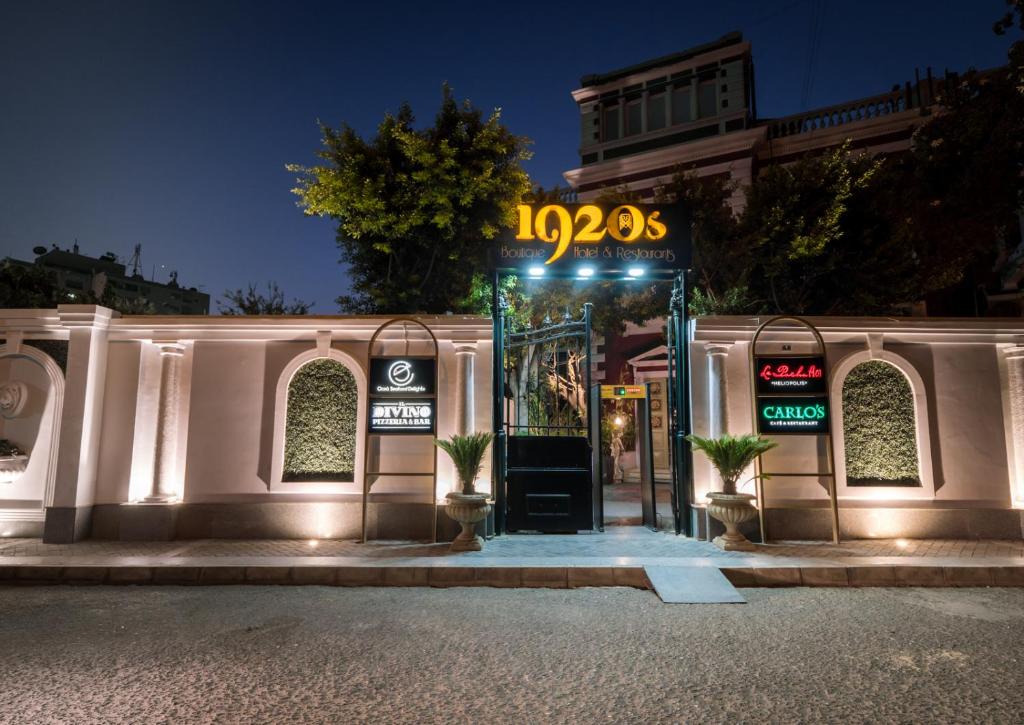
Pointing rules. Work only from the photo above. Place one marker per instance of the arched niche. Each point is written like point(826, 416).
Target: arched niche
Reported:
point(43, 451)
point(842, 371)
point(279, 479)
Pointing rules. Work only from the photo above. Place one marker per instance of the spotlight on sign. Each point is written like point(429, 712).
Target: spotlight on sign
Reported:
point(635, 272)
point(536, 271)
point(586, 271)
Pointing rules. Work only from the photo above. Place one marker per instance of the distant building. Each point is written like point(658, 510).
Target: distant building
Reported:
point(79, 274)
point(696, 110)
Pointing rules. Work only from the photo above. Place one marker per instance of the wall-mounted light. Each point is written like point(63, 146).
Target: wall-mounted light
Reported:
point(586, 271)
point(536, 271)
point(635, 272)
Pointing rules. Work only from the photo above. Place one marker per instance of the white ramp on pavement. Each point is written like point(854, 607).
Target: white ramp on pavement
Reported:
point(692, 585)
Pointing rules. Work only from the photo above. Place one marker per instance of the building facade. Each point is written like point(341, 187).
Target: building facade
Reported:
point(696, 111)
point(160, 427)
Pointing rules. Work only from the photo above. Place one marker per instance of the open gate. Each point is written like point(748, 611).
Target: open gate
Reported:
point(546, 427)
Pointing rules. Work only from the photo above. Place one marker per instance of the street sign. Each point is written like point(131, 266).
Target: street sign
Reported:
point(623, 392)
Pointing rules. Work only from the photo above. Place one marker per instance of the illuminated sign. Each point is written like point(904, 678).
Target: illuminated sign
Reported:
point(585, 240)
point(797, 414)
point(804, 374)
point(402, 416)
point(401, 376)
point(611, 392)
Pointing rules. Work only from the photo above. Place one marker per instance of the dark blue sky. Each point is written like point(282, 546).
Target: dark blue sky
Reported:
point(170, 123)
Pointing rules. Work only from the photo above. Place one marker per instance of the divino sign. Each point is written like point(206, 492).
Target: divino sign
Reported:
point(596, 240)
point(402, 395)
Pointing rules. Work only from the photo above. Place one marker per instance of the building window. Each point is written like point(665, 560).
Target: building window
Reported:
point(634, 118)
point(879, 427)
point(706, 99)
point(655, 112)
point(320, 428)
point(611, 122)
point(681, 105)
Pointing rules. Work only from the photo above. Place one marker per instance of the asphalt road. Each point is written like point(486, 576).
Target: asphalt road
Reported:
point(313, 654)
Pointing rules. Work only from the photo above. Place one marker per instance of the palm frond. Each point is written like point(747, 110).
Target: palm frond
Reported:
point(467, 453)
point(731, 455)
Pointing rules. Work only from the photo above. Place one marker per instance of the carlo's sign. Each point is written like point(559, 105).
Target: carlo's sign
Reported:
point(610, 238)
point(804, 374)
point(798, 414)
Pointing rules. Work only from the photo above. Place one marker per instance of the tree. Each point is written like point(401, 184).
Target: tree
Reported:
point(27, 286)
point(33, 287)
point(815, 237)
point(251, 302)
point(416, 209)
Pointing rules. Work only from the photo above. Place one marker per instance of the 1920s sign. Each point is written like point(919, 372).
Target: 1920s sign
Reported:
point(401, 376)
point(805, 414)
point(781, 375)
point(402, 416)
point(609, 239)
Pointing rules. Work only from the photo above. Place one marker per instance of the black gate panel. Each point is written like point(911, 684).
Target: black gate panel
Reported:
point(549, 484)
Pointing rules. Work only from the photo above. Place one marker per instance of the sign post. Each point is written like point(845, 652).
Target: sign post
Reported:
point(790, 395)
point(402, 400)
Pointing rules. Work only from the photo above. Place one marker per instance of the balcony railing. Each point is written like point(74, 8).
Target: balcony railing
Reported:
point(838, 115)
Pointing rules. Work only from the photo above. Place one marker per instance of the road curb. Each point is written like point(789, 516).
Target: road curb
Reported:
point(547, 577)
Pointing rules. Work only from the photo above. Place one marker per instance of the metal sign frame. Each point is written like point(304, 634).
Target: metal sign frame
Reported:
point(369, 475)
point(830, 474)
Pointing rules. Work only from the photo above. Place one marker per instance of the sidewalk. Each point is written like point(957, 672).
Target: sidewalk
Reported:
point(613, 558)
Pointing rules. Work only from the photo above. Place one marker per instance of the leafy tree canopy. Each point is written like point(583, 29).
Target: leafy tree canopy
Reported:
point(416, 208)
point(252, 302)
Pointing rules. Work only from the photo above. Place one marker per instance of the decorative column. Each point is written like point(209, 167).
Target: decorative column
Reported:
point(165, 452)
point(718, 403)
point(78, 440)
point(1015, 379)
point(465, 356)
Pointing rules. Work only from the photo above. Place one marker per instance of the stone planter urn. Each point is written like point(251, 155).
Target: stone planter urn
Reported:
point(468, 509)
point(732, 509)
point(11, 468)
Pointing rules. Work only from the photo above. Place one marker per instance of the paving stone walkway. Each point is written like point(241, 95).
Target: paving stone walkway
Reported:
point(619, 542)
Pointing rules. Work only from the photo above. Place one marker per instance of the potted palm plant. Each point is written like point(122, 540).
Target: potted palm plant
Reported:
point(13, 461)
point(466, 506)
point(730, 455)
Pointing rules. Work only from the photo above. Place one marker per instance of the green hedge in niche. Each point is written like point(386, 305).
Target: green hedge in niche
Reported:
point(879, 427)
point(320, 431)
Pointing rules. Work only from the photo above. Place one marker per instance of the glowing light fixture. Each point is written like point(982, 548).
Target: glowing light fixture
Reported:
point(536, 271)
point(619, 421)
point(586, 271)
point(635, 272)
point(313, 543)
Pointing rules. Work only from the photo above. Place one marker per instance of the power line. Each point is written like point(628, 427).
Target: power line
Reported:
point(817, 12)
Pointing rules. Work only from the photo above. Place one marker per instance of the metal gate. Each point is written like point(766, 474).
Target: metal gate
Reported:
point(544, 467)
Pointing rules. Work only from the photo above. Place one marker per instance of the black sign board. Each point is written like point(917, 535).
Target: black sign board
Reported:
point(797, 414)
point(597, 240)
point(790, 375)
point(389, 415)
point(402, 377)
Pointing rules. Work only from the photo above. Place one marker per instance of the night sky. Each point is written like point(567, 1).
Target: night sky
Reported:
point(170, 123)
